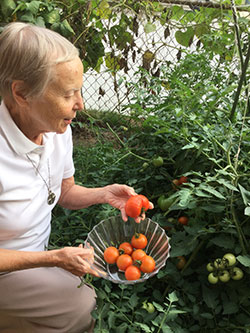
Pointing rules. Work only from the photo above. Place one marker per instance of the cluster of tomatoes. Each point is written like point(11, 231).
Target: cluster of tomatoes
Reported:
point(223, 269)
point(130, 257)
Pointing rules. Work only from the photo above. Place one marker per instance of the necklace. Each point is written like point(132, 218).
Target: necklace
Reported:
point(51, 195)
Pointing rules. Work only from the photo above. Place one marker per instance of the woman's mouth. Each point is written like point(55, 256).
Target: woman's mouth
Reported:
point(67, 121)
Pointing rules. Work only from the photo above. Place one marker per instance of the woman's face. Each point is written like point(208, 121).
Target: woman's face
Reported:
point(54, 111)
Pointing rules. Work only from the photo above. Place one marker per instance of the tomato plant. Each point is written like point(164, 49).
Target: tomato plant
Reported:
point(111, 254)
point(139, 241)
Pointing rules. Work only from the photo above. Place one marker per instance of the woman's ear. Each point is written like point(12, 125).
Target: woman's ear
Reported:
point(19, 90)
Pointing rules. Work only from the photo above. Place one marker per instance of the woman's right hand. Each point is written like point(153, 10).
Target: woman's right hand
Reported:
point(77, 260)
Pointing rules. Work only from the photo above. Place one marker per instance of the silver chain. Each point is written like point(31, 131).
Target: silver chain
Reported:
point(51, 195)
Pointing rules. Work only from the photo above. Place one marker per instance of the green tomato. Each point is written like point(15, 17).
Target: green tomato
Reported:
point(145, 165)
point(210, 267)
point(212, 278)
point(219, 263)
point(230, 259)
point(164, 203)
point(224, 276)
point(158, 161)
point(237, 273)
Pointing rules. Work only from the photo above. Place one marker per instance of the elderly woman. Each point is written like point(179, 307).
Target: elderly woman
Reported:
point(41, 77)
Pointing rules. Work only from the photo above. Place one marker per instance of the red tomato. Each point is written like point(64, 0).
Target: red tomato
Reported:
point(111, 254)
point(183, 179)
point(181, 262)
point(147, 264)
point(125, 248)
point(139, 241)
point(138, 254)
point(132, 273)
point(123, 261)
point(145, 202)
point(183, 220)
point(133, 206)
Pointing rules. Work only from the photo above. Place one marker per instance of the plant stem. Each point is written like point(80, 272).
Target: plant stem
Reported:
point(196, 250)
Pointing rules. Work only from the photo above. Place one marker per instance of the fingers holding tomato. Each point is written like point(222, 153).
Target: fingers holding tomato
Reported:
point(136, 206)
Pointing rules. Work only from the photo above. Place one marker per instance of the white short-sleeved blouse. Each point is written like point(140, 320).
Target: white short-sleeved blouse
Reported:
point(24, 212)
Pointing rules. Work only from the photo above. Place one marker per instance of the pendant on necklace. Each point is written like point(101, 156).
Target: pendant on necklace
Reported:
point(51, 197)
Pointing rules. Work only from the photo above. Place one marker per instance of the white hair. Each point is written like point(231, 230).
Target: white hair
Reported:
point(29, 53)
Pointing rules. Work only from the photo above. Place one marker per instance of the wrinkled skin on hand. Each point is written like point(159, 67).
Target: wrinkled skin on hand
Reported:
point(78, 260)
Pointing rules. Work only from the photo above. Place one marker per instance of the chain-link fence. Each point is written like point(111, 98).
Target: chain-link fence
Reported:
point(155, 43)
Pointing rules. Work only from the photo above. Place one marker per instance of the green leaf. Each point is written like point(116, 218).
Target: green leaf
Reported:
point(149, 27)
point(66, 29)
point(52, 17)
point(186, 196)
point(227, 184)
point(185, 38)
point(245, 195)
point(247, 211)
point(244, 260)
point(210, 297)
point(7, 7)
point(223, 241)
point(33, 6)
point(133, 300)
point(211, 190)
point(144, 327)
point(173, 297)
point(230, 307)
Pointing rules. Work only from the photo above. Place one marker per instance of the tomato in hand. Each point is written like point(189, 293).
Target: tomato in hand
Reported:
point(132, 273)
point(125, 248)
point(145, 202)
point(111, 254)
point(139, 241)
point(135, 204)
point(124, 261)
point(147, 264)
point(183, 220)
point(138, 254)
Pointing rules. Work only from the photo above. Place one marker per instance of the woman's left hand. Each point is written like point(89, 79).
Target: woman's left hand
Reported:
point(117, 195)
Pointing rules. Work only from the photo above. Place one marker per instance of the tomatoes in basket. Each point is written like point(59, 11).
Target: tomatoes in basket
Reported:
point(135, 204)
point(132, 273)
point(124, 261)
point(139, 241)
point(147, 264)
point(111, 254)
point(125, 248)
point(138, 254)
